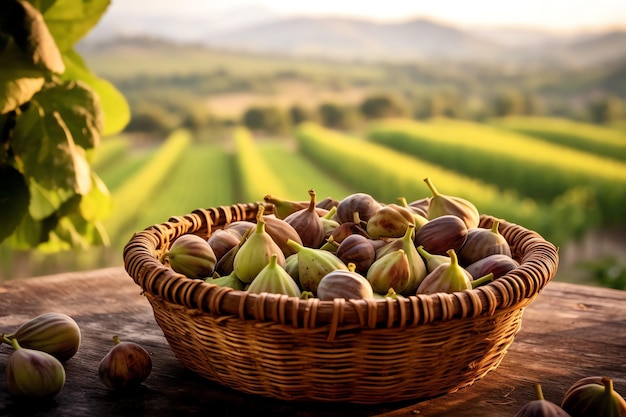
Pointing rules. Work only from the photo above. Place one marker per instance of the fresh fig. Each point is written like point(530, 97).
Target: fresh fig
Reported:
point(229, 280)
point(541, 407)
point(329, 221)
point(191, 256)
point(283, 207)
point(313, 264)
point(273, 278)
point(417, 266)
point(255, 253)
point(241, 227)
point(223, 240)
point(450, 278)
point(420, 206)
point(481, 242)
point(225, 264)
point(363, 204)
point(498, 264)
point(442, 204)
point(33, 373)
point(432, 261)
point(281, 231)
point(594, 396)
point(54, 333)
point(390, 271)
point(419, 215)
point(126, 365)
point(358, 250)
point(347, 228)
point(391, 220)
point(349, 285)
point(441, 234)
point(308, 224)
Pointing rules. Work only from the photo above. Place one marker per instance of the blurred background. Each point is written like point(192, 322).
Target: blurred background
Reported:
point(520, 108)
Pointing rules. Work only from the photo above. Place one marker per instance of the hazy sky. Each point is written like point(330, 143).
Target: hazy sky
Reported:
point(555, 14)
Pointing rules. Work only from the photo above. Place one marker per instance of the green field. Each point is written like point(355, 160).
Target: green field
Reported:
point(390, 160)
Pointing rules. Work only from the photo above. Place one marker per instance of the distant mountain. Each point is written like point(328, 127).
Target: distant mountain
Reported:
point(261, 30)
point(358, 39)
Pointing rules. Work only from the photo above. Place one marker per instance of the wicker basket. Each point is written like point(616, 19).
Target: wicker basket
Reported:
point(355, 351)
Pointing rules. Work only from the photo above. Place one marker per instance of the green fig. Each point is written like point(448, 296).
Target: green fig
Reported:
point(308, 224)
point(392, 270)
point(229, 280)
point(417, 266)
point(542, 407)
point(450, 277)
point(273, 278)
point(349, 285)
point(54, 333)
point(441, 204)
point(284, 207)
point(191, 256)
point(313, 264)
point(419, 215)
point(594, 396)
point(255, 253)
point(126, 365)
point(329, 221)
point(224, 265)
point(291, 266)
point(432, 260)
point(33, 373)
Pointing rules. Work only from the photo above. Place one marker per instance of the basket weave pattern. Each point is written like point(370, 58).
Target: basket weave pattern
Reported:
point(356, 351)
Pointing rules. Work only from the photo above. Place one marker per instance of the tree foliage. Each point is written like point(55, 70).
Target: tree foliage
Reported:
point(52, 115)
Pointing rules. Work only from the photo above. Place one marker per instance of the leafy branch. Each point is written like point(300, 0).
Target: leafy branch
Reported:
point(52, 115)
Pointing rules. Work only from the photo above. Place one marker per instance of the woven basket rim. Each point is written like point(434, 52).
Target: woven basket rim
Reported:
point(538, 260)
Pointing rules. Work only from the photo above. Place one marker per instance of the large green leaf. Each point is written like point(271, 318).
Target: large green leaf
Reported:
point(44, 202)
point(70, 20)
point(44, 146)
point(79, 108)
point(114, 106)
point(13, 200)
point(19, 78)
point(23, 23)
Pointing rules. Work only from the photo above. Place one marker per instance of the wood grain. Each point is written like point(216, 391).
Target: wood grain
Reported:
point(569, 332)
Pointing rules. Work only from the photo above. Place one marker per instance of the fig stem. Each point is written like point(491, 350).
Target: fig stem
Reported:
point(116, 339)
point(15, 344)
point(482, 280)
point(432, 187)
point(495, 225)
point(608, 385)
point(539, 392)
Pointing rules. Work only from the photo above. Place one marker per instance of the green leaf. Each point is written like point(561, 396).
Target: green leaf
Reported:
point(70, 20)
point(44, 201)
point(28, 234)
point(14, 200)
point(97, 204)
point(113, 104)
point(79, 107)
point(26, 26)
point(19, 78)
point(43, 145)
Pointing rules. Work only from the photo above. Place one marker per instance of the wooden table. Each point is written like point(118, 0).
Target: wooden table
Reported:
point(569, 332)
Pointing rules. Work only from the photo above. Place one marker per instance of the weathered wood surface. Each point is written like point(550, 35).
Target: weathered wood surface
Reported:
point(568, 332)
